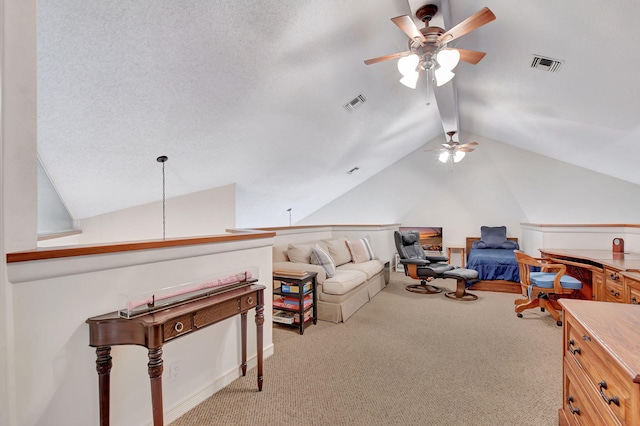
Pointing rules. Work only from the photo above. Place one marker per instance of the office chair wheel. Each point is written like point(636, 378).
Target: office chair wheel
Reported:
point(541, 309)
point(559, 323)
point(423, 288)
point(519, 315)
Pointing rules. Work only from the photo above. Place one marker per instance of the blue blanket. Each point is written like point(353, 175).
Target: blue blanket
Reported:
point(494, 264)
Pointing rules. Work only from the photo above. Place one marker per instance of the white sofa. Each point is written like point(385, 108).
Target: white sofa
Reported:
point(352, 285)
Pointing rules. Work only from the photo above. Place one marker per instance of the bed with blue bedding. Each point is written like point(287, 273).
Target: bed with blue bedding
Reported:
point(492, 256)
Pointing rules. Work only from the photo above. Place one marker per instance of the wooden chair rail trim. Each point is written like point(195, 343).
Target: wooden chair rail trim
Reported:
point(72, 251)
point(284, 228)
point(584, 225)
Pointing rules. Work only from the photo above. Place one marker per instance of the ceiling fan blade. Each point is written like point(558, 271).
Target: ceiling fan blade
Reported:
point(470, 144)
point(386, 57)
point(406, 24)
point(463, 149)
point(478, 19)
point(469, 56)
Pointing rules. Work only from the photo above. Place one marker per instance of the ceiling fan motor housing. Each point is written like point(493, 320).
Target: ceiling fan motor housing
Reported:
point(426, 12)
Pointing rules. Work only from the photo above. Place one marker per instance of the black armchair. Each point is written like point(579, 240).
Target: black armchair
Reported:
point(420, 266)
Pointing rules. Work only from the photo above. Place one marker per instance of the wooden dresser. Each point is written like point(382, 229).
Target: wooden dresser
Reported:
point(601, 363)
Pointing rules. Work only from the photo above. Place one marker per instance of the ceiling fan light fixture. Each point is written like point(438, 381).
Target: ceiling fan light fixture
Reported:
point(458, 156)
point(443, 76)
point(444, 157)
point(408, 64)
point(410, 80)
point(448, 58)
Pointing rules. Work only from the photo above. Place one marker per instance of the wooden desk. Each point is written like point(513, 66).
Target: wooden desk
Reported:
point(598, 270)
point(154, 329)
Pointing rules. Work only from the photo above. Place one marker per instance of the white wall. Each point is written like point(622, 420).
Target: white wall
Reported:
point(18, 180)
point(208, 212)
point(495, 185)
point(57, 383)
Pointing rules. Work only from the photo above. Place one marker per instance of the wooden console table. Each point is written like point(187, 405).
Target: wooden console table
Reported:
point(154, 329)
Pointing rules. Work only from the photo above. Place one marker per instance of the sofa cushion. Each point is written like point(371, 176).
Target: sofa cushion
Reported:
point(338, 250)
point(322, 258)
point(299, 253)
point(360, 250)
point(370, 268)
point(343, 281)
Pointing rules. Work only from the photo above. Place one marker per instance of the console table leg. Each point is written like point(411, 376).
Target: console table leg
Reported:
point(155, 377)
point(259, 323)
point(243, 326)
point(103, 366)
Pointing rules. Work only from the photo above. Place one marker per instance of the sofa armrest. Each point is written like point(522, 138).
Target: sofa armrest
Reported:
point(294, 266)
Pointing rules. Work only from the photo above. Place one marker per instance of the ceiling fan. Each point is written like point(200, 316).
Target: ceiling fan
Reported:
point(428, 49)
point(454, 151)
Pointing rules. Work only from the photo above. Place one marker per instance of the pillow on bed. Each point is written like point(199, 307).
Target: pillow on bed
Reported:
point(494, 237)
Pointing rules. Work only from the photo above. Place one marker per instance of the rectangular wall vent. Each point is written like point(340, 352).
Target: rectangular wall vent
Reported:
point(353, 104)
point(546, 64)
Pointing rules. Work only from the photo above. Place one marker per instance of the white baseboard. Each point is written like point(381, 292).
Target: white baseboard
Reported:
point(183, 407)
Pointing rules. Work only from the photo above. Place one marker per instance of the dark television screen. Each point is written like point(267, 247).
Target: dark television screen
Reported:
point(430, 236)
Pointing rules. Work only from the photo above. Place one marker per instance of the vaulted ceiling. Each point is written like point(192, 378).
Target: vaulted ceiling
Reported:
point(252, 93)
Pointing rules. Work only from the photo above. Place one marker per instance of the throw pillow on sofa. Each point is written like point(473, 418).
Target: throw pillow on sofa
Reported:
point(299, 253)
point(322, 258)
point(361, 250)
point(338, 251)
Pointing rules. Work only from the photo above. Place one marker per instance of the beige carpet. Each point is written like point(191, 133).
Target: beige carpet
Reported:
point(405, 359)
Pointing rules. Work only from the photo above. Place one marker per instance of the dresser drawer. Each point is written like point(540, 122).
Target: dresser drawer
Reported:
point(634, 296)
point(604, 379)
point(579, 407)
point(177, 327)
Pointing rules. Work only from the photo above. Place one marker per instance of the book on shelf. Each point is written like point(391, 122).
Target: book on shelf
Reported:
point(283, 317)
point(306, 316)
point(291, 303)
point(290, 288)
point(290, 273)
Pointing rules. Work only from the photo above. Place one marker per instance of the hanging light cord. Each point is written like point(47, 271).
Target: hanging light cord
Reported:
point(162, 159)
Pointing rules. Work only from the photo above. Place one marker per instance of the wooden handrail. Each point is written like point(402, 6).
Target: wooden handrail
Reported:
point(85, 250)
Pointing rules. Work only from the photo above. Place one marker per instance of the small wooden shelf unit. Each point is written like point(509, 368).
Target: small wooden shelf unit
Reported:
point(306, 285)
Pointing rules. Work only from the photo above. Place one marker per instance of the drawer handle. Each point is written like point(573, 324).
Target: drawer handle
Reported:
point(586, 338)
point(573, 410)
point(614, 399)
point(614, 293)
point(614, 277)
point(178, 327)
point(250, 300)
point(572, 350)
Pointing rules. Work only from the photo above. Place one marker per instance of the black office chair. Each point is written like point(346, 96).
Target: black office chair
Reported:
point(420, 266)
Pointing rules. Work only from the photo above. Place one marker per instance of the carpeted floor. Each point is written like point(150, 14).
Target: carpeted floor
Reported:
point(405, 359)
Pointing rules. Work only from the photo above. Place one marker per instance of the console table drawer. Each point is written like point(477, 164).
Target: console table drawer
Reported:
point(248, 302)
point(216, 313)
point(177, 327)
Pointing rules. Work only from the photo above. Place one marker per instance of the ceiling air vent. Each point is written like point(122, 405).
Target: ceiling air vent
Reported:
point(546, 64)
point(353, 104)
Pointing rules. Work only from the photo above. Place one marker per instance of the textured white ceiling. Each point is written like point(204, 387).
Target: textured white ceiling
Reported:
point(251, 92)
